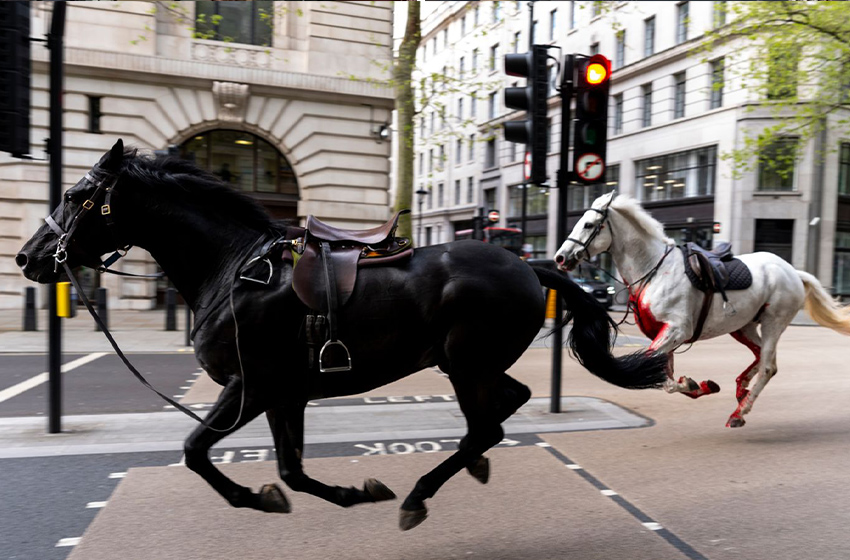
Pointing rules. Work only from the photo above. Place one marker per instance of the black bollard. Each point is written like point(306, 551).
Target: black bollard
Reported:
point(188, 326)
point(171, 309)
point(101, 308)
point(30, 313)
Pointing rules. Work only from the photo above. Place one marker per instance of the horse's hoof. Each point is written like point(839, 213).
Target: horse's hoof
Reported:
point(735, 422)
point(408, 519)
point(711, 386)
point(378, 490)
point(480, 470)
point(273, 500)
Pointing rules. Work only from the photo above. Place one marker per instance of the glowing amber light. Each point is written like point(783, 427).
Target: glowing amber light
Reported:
point(596, 73)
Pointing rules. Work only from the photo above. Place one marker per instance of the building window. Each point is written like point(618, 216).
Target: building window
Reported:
point(550, 131)
point(782, 74)
point(511, 151)
point(582, 196)
point(431, 118)
point(473, 106)
point(490, 154)
point(679, 175)
point(679, 95)
point(777, 163)
point(646, 95)
point(474, 61)
point(618, 113)
point(534, 32)
point(553, 24)
point(445, 37)
point(463, 26)
point(572, 14)
point(649, 36)
point(620, 55)
point(494, 57)
point(440, 189)
point(842, 263)
point(471, 155)
point(476, 15)
point(537, 203)
point(460, 109)
point(246, 162)
point(844, 170)
point(431, 160)
point(491, 106)
point(717, 79)
point(430, 198)
point(595, 9)
point(457, 192)
point(458, 151)
point(594, 49)
point(719, 13)
point(461, 68)
point(516, 41)
point(497, 12)
point(489, 199)
point(441, 161)
point(434, 45)
point(421, 163)
point(94, 114)
point(682, 22)
point(235, 22)
point(775, 236)
point(470, 189)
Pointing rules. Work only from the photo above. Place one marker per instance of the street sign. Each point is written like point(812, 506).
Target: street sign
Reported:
point(590, 167)
point(493, 216)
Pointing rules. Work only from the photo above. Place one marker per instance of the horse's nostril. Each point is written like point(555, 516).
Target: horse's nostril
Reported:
point(21, 259)
point(559, 259)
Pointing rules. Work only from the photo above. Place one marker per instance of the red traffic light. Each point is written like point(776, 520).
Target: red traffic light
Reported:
point(597, 70)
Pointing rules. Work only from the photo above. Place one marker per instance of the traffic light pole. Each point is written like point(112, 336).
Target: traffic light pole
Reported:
point(55, 42)
point(565, 176)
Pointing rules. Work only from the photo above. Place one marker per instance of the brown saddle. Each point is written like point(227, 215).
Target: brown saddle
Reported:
point(326, 273)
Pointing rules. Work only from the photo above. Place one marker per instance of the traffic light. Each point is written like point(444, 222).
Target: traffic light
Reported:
point(15, 77)
point(534, 129)
point(593, 81)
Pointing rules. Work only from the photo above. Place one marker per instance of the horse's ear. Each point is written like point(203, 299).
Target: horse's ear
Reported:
point(111, 160)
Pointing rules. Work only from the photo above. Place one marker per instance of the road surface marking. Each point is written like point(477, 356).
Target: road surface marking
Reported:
point(573, 466)
point(652, 526)
point(542, 444)
point(608, 493)
point(95, 505)
point(117, 475)
point(32, 382)
point(71, 541)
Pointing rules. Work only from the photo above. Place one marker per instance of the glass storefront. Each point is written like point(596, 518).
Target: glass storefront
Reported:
point(679, 175)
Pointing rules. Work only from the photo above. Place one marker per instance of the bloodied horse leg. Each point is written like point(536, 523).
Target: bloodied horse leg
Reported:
point(287, 425)
point(223, 421)
point(667, 340)
point(485, 406)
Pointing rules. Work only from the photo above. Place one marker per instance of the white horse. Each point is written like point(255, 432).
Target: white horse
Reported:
point(672, 312)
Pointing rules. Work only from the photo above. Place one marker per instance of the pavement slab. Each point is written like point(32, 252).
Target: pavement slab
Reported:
point(533, 508)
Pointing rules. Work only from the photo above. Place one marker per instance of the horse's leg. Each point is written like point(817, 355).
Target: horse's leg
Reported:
point(669, 338)
point(771, 329)
point(197, 446)
point(485, 406)
point(287, 425)
point(749, 337)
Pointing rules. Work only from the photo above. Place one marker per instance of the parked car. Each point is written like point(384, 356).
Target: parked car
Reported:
point(594, 284)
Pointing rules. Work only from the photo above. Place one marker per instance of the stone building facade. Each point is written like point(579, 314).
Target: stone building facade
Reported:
point(283, 99)
point(675, 110)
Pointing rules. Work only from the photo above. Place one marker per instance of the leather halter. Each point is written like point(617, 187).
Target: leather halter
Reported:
point(107, 185)
point(585, 245)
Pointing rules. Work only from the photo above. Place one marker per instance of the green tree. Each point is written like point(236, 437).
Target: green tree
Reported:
point(794, 58)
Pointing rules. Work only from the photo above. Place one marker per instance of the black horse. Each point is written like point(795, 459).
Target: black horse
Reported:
point(437, 308)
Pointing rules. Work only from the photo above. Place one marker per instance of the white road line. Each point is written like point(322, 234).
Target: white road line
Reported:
point(574, 467)
point(95, 505)
point(185, 388)
point(71, 541)
point(608, 493)
point(32, 382)
point(542, 444)
point(652, 526)
point(117, 475)
point(179, 396)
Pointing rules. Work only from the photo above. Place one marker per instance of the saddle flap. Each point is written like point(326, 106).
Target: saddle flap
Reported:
point(308, 278)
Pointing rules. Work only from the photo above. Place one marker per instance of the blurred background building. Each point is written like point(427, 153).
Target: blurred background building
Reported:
point(674, 111)
point(287, 101)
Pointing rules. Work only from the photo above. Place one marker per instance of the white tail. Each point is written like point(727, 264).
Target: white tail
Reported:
point(822, 307)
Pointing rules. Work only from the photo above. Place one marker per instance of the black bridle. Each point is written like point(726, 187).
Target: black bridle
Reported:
point(585, 245)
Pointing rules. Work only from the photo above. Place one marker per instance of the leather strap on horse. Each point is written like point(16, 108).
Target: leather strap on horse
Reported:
point(703, 315)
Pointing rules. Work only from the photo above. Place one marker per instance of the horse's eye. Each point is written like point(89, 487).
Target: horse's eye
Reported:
point(588, 225)
point(69, 197)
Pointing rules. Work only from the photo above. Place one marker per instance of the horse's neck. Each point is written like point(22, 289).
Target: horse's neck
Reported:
point(198, 253)
point(635, 253)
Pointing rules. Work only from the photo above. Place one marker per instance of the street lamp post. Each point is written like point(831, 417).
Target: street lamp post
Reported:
point(421, 193)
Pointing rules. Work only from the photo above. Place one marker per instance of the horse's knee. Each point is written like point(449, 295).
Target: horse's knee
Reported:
point(296, 481)
point(195, 456)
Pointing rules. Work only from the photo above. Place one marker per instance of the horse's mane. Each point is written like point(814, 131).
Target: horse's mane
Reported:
point(634, 212)
point(170, 173)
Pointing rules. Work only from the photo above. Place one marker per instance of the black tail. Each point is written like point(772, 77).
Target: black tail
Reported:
point(590, 339)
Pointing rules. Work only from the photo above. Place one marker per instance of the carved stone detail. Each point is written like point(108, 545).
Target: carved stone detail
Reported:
point(231, 100)
point(229, 54)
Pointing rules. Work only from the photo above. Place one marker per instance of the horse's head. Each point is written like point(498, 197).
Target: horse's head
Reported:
point(78, 230)
point(589, 237)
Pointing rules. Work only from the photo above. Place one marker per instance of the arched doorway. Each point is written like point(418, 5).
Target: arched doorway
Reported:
point(250, 164)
